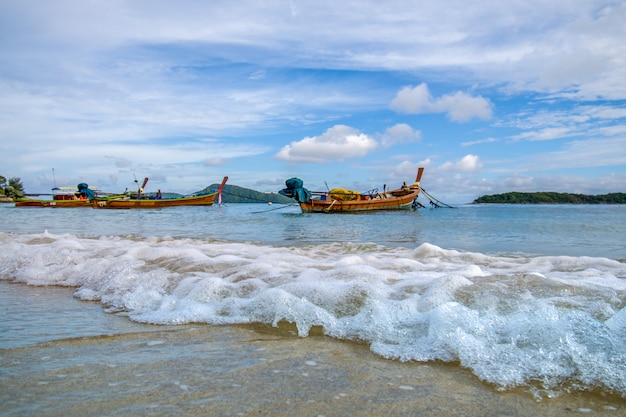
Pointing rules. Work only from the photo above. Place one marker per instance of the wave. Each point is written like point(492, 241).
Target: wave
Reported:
point(548, 321)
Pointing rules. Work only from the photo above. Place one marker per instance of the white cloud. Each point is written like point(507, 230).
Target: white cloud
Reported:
point(468, 163)
point(139, 79)
point(407, 170)
point(462, 107)
point(560, 183)
point(337, 143)
point(549, 133)
point(122, 162)
point(604, 152)
point(605, 112)
point(577, 121)
point(258, 75)
point(400, 133)
point(479, 142)
point(214, 161)
point(459, 106)
point(414, 100)
point(613, 130)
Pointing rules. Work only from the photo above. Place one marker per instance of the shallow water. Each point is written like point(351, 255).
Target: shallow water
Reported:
point(573, 230)
point(513, 303)
point(196, 370)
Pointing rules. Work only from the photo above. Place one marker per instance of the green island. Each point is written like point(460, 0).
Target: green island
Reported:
point(236, 194)
point(551, 198)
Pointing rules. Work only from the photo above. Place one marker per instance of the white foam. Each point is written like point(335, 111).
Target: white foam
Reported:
point(617, 322)
point(512, 320)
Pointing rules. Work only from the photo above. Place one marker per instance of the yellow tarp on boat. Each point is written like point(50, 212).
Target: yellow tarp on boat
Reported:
point(342, 194)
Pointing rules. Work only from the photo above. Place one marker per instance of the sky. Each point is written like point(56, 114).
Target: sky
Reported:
point(488, 96)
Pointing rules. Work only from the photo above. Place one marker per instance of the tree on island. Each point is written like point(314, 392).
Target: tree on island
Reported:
point(12, 188)
point(551, 198)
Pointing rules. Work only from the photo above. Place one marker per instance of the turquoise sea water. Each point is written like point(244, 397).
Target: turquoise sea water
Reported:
point(522, 296)
point(576, 230)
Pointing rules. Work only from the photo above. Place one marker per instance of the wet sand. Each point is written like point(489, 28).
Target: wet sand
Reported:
point(200, 370)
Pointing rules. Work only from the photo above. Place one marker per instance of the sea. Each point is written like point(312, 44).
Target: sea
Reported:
point(257, 309)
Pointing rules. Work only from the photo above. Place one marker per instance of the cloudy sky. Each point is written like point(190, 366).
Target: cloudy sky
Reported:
point(488, 96)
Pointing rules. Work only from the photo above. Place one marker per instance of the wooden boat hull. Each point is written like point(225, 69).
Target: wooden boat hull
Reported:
point(388, 201)
point(28, 202)
point(340, 200)
point(62, 197)
point(152, 203)
point(124, 203)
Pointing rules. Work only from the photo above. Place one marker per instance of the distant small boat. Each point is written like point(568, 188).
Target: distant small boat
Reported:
point(78, 196)
point(339, 200)
point(137, 202)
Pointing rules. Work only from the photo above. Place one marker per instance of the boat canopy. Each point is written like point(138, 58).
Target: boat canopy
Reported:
point(296, 190)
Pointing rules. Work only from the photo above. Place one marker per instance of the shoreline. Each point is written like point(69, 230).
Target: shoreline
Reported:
point(95, 363)
point(251, 370)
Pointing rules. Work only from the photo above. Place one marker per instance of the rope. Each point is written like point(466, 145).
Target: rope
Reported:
point(327, 210)
point(434, 202)
point(277, 208)
point(417, 204)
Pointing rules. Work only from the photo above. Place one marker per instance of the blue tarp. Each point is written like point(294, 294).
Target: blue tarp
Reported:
point(296, 190)
point(85, 191)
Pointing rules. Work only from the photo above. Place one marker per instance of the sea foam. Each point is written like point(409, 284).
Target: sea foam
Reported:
point(514, 321)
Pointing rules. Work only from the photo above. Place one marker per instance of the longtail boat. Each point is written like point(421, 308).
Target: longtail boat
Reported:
point(339, 200)
point(78, 196)
point(134, 202)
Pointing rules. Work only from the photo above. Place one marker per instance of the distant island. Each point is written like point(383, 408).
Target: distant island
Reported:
point(236, 194)
point(551, 198)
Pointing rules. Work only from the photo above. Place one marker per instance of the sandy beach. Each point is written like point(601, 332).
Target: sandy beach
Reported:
point(200, 370)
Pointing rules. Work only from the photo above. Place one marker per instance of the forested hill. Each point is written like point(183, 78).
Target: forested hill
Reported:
point(551, 198)
point(236, 194)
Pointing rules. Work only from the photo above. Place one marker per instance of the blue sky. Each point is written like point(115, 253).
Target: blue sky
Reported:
point(488, 96)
